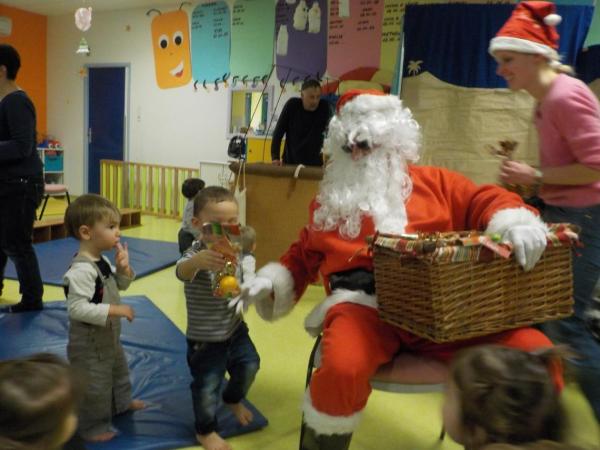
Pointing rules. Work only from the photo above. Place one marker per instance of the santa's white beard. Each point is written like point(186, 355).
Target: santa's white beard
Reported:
point(377, 185)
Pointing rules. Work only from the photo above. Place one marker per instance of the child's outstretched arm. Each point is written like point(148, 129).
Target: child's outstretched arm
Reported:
point(187, 267)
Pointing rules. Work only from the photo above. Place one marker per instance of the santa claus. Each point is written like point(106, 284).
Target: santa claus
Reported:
point(370, 185)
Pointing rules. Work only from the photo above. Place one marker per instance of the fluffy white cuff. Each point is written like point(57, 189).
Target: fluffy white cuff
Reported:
point(283, 291)
point(314, 321)
point(507, 218)
point(324, 423)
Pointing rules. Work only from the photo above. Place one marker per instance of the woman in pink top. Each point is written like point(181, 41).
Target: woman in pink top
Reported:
point(567, 118)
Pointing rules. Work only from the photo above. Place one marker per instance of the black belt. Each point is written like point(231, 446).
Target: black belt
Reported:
point(353, 280)
point(22, 180)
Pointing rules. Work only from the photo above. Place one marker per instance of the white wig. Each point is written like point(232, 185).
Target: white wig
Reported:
point(377, 184)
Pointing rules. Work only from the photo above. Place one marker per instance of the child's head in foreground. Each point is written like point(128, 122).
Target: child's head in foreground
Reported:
point(191, 186)
point(248, 237)
point(502, 395)
point(39, 395)
point(215, 204)
point(91, 217)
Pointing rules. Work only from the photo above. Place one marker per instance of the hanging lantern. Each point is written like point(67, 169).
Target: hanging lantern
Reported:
point(84, 48)
point(83, 18)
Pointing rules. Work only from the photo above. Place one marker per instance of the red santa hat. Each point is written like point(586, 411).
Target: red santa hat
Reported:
point(530, 29)
point(352, 93)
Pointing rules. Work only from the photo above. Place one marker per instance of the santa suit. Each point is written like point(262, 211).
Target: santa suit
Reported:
point(355, 341)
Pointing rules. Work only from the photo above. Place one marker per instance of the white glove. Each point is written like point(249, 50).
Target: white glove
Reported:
point(529, 242)
point(255, 290)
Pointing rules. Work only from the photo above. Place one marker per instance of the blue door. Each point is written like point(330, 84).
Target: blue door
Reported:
point(106, 119)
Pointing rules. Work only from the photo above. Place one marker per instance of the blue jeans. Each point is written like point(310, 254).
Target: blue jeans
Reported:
point(574, 330)
point(208, 362)
point(18, 202)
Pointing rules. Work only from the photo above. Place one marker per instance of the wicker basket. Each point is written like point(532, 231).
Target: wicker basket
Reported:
point(443, 300)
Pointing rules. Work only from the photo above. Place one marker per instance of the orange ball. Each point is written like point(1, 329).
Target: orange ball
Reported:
point(228, 287)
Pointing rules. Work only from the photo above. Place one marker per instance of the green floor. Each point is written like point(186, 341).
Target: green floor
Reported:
point(390, 421)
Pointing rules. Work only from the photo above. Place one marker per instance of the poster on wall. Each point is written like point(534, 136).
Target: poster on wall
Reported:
point(354, 29)
point(391, 25)
point(171, 46)
point(252, 38)
point(210, 41)
point(301, 41)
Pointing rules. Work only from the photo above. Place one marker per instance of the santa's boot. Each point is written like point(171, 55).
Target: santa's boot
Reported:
point(313, 441)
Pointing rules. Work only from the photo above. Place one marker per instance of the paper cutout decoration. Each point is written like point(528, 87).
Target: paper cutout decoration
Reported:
point(171, 44)
point(211, 41)
point(301, 42)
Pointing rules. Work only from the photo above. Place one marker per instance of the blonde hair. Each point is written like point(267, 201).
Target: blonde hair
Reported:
point(37, 395)
point(87, 210)
point(507, 395)
point(248, 235)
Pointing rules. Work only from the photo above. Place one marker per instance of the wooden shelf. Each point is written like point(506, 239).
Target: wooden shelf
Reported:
point(50, 229)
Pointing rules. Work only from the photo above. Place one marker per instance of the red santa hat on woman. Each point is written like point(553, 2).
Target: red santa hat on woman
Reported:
point(530, 29)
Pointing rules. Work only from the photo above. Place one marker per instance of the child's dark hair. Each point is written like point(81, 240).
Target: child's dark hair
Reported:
point(87, 210)
point(191, 186)
point(37, 394)
point(248, 235)
point(9, 58)
point(507, 395)
point(216, 194)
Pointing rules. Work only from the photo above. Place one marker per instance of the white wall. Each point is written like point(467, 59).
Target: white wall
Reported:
point(176, 126)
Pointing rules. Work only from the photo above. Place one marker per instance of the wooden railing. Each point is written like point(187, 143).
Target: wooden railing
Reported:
point(152, 188)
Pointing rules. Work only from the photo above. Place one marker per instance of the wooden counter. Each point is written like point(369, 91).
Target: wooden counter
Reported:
point(277, 205)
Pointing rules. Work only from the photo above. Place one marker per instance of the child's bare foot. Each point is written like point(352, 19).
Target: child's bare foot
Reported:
point(102, 437)
point(212, 441)
point(241, 413)
point(136, 405)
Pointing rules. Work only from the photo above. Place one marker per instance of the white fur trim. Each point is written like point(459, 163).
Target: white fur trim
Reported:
point(514, 44)
point(283, 290)
point(324, 423)
point(593, 314)
point(314, 321)
point(504, 219)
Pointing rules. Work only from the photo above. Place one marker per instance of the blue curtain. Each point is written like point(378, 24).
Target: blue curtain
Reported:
point(451, 40)
point(588, 64)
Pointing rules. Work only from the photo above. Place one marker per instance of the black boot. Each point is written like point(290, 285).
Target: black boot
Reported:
point(313, 441)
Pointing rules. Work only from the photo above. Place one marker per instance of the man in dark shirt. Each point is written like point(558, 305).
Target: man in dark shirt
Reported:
point(21, 183)
point(303, 121)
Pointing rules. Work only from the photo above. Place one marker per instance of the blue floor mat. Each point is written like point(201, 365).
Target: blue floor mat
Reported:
point(145, 256)
point(156, 351)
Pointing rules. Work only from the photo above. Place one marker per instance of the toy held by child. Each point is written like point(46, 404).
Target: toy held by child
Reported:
point(503, 395)
point(39, 396)
point(187, 233)
point(94, 306)
point(217, 337)
point(247, 264)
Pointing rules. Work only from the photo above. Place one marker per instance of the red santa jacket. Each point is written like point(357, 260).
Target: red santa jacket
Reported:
point(441, 200)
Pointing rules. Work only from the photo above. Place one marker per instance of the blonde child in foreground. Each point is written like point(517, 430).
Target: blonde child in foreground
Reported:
point(38, 395)
point(92, 288)
point(217, 336)
point(500, 398)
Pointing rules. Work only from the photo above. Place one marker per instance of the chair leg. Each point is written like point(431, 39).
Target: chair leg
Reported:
point(46, 197)
point(68, 198)
point(442, 433)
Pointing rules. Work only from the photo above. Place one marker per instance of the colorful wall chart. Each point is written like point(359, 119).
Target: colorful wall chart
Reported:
point(355, 38)
point(252, 37)
point(301, 42)
point(210, 41)
point(390, 34)
point(171, 45)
